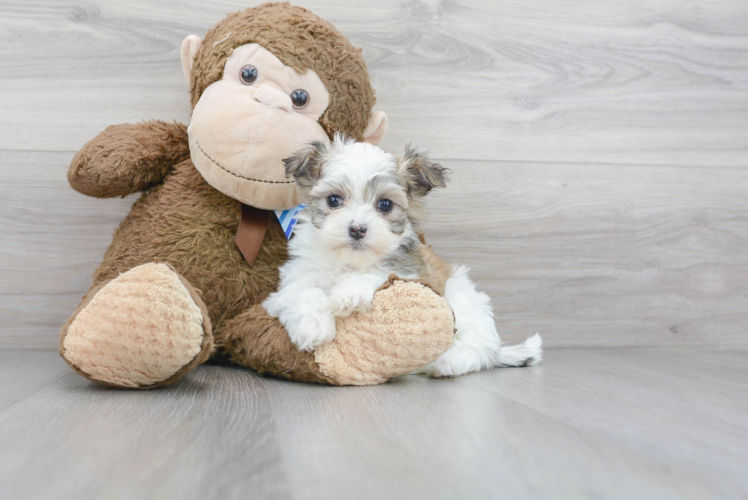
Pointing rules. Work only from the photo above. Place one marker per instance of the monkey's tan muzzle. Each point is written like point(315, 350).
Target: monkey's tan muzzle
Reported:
point(247, 163)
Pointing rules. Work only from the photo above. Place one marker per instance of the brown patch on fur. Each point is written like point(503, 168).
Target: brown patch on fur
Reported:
point(303, 41)
point(128, 158)
point(436, 271)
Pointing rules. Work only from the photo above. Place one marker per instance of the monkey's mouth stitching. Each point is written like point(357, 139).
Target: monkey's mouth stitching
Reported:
point(237, 175)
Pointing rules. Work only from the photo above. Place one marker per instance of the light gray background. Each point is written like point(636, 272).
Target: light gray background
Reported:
point(600, 152)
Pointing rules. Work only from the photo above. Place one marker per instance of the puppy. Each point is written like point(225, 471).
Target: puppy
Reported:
point(362, 222)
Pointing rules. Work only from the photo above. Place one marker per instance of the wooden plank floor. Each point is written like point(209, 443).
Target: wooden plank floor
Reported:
point(625, 423)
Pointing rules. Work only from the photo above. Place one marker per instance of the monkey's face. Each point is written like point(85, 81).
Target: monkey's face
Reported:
point(245, 124)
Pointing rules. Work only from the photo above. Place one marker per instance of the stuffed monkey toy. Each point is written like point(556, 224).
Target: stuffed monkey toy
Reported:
point(184, 277)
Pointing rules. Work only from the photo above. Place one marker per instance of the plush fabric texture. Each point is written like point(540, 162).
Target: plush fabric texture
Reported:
point(184, 225)
point(301, 40)
point(244, 164)
point(239, 134)
point(407, 327)
point(258, 341)
point(136, 156)
point(188, 224)
point(376, 128)
point(139, 329)
point(274, 75)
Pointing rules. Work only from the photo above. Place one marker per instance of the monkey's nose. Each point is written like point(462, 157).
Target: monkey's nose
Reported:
point(357, 232)
point(270, 96)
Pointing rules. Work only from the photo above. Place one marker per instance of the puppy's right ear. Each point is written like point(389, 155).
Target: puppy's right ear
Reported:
point(306, 165)
point(421, 174)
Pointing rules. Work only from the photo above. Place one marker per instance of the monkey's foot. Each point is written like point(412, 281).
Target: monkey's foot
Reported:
point(407, 327)
point(146, 328)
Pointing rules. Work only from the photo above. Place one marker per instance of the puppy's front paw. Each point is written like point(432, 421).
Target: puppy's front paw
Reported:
point(312, 330)
point(350, 296)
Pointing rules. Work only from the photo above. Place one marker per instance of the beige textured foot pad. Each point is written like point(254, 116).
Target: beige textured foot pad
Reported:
point(145, 328)
point(408, 327)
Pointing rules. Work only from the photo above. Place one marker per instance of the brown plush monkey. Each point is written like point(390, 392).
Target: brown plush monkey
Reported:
point(189, 266)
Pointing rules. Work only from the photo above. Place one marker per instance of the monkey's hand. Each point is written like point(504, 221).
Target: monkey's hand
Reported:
point(127, 158)
point(407, 326)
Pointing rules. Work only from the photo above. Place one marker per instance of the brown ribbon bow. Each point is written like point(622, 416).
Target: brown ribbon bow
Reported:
point(251, 232)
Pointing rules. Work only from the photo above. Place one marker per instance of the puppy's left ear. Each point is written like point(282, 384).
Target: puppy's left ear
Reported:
point(306, 165)
point(420, 174)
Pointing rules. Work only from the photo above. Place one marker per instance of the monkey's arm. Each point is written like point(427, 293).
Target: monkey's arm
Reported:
point(127, 158)
point(407, 327)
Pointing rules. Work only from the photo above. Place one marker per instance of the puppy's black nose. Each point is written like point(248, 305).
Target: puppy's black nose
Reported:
point(357, 231)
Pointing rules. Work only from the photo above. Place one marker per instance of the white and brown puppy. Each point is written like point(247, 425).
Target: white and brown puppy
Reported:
point(361, 223)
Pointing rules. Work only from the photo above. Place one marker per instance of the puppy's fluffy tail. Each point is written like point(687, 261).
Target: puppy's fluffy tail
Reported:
point(528, 353)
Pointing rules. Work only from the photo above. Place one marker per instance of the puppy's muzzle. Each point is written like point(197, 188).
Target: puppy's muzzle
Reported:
point(357, 232)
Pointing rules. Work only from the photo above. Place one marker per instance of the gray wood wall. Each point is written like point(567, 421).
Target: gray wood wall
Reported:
point(599, 150)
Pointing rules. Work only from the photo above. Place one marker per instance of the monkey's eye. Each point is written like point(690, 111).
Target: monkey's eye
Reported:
point(299, 98)
point(385, 206)
point(248, 74)
point(334, 201)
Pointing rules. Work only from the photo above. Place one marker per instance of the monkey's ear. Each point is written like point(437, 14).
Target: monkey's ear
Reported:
point(376, 128)
point(306, 165)
point(190, 45)
point(420, 174)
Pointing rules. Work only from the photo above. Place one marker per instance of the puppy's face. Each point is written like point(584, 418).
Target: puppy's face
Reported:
point(362, 201)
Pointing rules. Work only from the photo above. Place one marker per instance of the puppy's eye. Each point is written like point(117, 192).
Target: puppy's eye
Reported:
point(248, 74)
point(385, 206)
point(334, 201)
point(299, 98)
